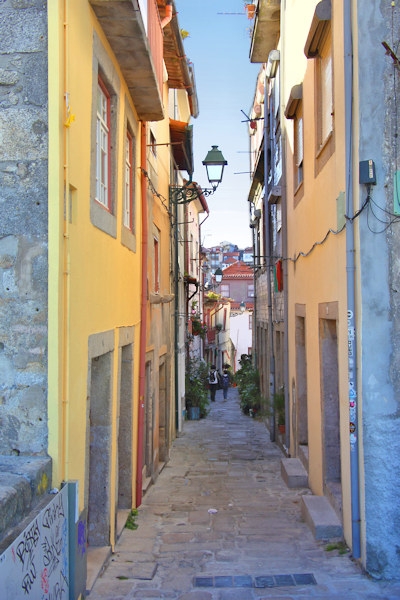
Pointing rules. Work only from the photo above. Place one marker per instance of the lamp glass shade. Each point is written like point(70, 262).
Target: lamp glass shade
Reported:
point(214, 163)
point(218, 275)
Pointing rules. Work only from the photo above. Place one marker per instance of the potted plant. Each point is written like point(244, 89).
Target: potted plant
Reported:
point(196, 389)
point(251, 10)
point(279, 408)
point(199, 328)
point(248, 381)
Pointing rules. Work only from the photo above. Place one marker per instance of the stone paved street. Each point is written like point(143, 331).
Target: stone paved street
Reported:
point(220, 524)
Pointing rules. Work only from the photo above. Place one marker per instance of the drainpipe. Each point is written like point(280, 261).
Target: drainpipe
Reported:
point(285, 294)
point(143, 320)
point(255, 279)
point(350, 270)
point(176, 316)
point(64, 472)
point(168, 14)
point(270, 339)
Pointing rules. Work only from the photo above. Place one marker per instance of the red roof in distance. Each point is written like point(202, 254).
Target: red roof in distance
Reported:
point(238, 270)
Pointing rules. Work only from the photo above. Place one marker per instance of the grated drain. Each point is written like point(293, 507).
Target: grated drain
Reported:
point(261, 581)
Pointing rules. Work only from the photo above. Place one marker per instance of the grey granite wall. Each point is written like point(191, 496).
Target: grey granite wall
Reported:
point(23, 227)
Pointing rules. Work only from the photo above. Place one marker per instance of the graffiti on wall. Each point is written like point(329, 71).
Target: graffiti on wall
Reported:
point(35, 566)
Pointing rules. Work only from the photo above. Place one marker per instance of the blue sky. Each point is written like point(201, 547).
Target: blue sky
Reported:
point(218, 46)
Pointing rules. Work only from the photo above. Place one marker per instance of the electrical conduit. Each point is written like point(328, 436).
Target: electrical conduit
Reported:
point(143, 319)
point(350, 270)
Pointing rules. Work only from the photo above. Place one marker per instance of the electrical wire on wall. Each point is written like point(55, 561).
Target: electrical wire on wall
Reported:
point(386, 218)
point(153, 190)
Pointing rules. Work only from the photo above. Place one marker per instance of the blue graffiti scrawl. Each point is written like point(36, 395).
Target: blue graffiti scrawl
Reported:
point(82, 537)
point(35, 566)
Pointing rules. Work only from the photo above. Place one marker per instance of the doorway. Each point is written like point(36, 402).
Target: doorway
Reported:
point(125, 435)
point(100, 431)
point(301, 388)
point(330, 409)
point(148, 425)
point(164, 421)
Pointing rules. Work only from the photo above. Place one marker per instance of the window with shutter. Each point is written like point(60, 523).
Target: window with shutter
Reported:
point(298, 148)
point(325, 92)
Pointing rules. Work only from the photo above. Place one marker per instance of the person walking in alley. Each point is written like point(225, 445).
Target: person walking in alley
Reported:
point(226, 382)
point(213, 382)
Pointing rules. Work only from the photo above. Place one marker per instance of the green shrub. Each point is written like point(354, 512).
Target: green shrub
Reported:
point(248, 382)
point(131, 520)
point(196, 385)
point(279, 405)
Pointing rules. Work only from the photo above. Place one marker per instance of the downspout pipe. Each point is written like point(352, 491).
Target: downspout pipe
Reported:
point(168, 14)
point(176, 316)
point(270, 338)
point(256, 257)
point(143, 319)
point(350, 271)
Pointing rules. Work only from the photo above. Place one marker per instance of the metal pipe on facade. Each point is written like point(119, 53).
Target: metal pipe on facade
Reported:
point(350, 270)
point(176, 316)
point(256, 252)
point(270, 342)
point(143, 318)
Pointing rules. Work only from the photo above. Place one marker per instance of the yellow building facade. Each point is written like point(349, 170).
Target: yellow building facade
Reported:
point(111, 385)
point(313, 96)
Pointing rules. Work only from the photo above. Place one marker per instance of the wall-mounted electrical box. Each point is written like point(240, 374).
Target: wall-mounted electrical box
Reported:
point(396, 193)
point(367, 172)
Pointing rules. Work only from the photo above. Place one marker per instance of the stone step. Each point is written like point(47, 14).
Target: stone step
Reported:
point(293, 473)
point(321, 518)
point(24, 482)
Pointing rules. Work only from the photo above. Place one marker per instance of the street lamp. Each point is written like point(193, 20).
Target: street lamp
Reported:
point(180, 195)
point(214, 163)
point(218, 275)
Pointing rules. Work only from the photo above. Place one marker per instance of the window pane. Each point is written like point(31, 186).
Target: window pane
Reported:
point(102, 147)
point(128, 183)
point(225, 290)
point(325, 91)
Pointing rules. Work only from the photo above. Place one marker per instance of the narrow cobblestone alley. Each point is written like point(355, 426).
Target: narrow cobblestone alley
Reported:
point(220, 524)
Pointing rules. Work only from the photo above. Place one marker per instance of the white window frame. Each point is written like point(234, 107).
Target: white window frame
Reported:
point(128, 188)
point(103, 147)
point(225, 289)
point(298, 147)
point(250, 290)
point(325, 91)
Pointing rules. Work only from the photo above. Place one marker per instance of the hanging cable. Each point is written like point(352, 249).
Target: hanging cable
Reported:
point(153, 190)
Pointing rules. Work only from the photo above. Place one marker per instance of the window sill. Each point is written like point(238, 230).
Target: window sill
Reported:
point(324, 152)
point(298, 193)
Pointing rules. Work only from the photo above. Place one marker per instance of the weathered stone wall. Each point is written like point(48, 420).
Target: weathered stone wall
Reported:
point(379, 276)
point(23, 227)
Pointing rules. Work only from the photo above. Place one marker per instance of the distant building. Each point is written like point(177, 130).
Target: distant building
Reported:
point(238, 283)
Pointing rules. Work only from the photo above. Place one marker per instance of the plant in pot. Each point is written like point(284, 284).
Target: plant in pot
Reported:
point(199, 328)
point(279, 408)
point(196, 389)
point(248, 382)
